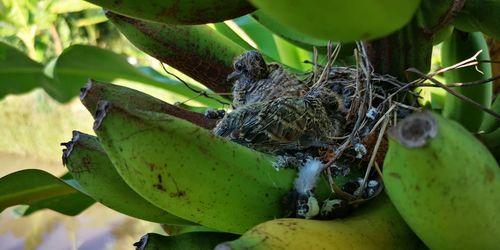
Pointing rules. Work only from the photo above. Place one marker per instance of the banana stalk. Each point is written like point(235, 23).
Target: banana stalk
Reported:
point(377, 225)
point(95, 91)
point(91, 167)
point(458, 47)
point(196, 50)
point(185, 241)
point(403, 49)
point(179, 12)
point(189, 172)
point(444, 183)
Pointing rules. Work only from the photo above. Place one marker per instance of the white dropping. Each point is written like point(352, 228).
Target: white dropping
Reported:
point(308, 176)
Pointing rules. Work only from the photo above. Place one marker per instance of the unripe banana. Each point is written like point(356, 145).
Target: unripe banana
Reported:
point(95, 91)
point(91, 167)
point(377, 225)
point(458, 47)
point(179, 12)
point(196, 50)
point(189, 172)
point(344, 21)
point(479, 15)
point(444, 183)
point(298, 38)
point(185, 241)
point(490, 122)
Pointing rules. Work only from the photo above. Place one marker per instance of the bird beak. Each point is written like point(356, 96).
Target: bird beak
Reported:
point(233, 76)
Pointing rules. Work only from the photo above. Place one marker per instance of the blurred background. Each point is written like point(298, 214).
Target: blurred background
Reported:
point(33, 124)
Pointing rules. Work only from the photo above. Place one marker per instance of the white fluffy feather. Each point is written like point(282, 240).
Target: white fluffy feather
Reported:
point(308, 176)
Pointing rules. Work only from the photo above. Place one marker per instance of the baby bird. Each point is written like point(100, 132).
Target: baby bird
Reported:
point(255, 81)
point(282, 124)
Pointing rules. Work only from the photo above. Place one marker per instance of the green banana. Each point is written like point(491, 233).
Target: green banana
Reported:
point(458, 47)
point(343, 21)
point(377, 225)
point(189, 172)
point(95, 91)
point(185, 241)
point(479, 15)
point(298, 38)
point(444, 183)
point(196, 50)
point(491, 123)
point(179, 12)
point(90, 166)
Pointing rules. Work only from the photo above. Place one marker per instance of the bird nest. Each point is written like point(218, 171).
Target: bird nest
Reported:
point(337, 115)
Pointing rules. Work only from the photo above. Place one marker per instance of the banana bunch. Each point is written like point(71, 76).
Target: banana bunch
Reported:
point(458, 47)
point(90, 166)
point(444, 182)
point(227, 187)
point(375, 226)
point(179, 12)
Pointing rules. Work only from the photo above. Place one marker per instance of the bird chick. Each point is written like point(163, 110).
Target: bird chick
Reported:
point(279, 125)
point(255, 81)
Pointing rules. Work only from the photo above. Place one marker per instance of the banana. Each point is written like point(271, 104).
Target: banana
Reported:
point(458, 47)
point(444, 183)
point(185, 241)
point(377, 225)
point(90, 166)
point(479, 15)
point(94, 91)
point(196, 50)
point(298, 38)
point(342, 21)
point(179, 12)
point(189, 172)
point(491, 123)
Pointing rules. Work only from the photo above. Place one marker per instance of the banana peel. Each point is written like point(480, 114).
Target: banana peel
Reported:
point(95, 91)
point(189, 172)
point(444, 183)
point(90, 166)
point(377, 225)
point(196, 50)
point(179, 12)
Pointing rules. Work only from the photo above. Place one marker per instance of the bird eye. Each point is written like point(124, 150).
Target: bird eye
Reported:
point(238, 66)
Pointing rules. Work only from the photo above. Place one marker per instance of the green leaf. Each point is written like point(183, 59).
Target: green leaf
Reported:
point(78, 63)
point(225, 30)
point(18, 73)
point(40, 189)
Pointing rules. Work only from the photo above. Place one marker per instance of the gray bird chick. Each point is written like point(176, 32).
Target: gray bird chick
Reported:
point(285, 123)
point(255, 81)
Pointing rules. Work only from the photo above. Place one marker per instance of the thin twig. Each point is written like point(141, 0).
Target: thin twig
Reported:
point(453, 92)
point(465, 63)
point(374, 152)
point(461, 84)
point(200, 93)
